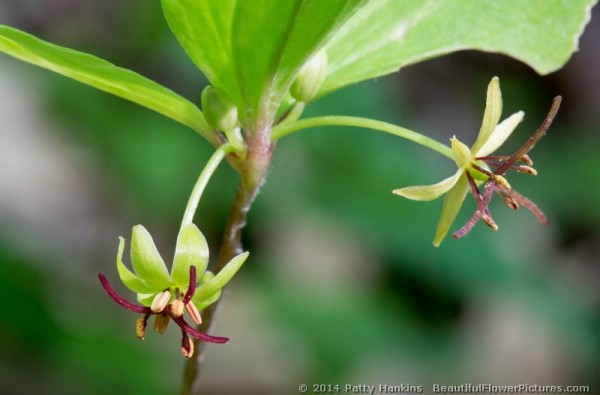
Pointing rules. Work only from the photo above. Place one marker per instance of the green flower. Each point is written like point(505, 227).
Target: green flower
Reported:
point(474, 168)
point(188, 286)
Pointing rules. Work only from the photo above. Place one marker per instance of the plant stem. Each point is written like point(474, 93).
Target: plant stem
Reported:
point(252, 174)
point(205, 175)
point(338, 120)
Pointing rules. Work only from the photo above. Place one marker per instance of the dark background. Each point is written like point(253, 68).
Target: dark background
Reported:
point(343, 284)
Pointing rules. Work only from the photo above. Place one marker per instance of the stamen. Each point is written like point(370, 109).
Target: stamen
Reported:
point(487, 216)
point(499, 180)
point(525, 169)
point(193, 312)
point(497, 160)
point(481, 169)
point(187, 345)
point(510, 202)
point(501, 158)
point(176, 308)
point(481, 207)
point(161, 322)
point(527, 160)
point(528, 204)
point(489, 221)
point(160, 301)
point(136, 308)
point(140, 326)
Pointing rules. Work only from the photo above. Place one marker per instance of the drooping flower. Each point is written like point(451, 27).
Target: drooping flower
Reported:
point(166, 295)
point(477, 166)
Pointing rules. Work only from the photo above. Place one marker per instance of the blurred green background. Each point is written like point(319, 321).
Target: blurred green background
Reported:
point(343, 284)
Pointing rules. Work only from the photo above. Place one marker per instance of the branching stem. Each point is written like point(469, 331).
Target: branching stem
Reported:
point(252, 174)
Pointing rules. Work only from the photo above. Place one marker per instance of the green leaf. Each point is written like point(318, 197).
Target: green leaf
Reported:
point(105, 76)
point(191, 249)
point(253, 49)
point(146, 261)
point(213, 285)
point(386, 35)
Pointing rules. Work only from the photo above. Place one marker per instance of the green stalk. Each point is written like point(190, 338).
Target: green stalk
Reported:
point(205, 175)
point(337, 120)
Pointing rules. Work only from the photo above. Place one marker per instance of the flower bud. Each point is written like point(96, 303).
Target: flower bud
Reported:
point(160, 301)
point(310, 78)
point(219, 110)
point(161, 322)
point(177, 308)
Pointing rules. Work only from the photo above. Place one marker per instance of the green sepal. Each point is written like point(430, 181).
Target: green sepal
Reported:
point(201, 305)
point(206, 290)
point(501, 133)
point(429, 192)
point(462, 153)
point(146, 261)
point(130, 279)
point(491, 114)
point(203, 302)
point(191, 249)
point(450, 208)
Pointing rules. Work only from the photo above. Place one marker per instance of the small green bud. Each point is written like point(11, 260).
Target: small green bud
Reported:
point(219, 110)
point(310, 78)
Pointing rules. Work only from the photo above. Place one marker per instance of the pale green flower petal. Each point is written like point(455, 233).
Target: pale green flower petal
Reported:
point(428, 192)
point(500, 134)
point(191, 249)
point(206, 290)
point(491, 116)
point(145, 299)
point(202, 301)
point(128, 278)
point(462, 153)
point(146, 261)
point(207, 301)
point(452, 203)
